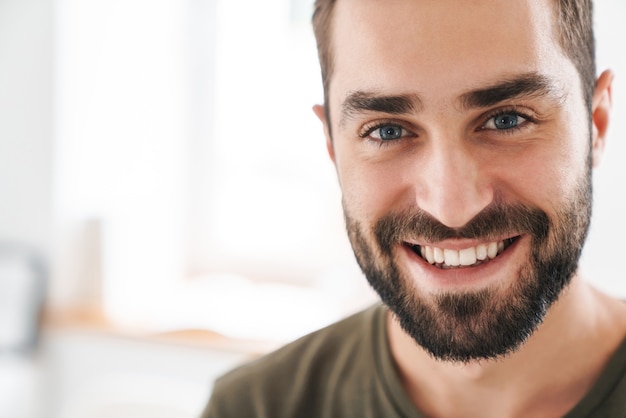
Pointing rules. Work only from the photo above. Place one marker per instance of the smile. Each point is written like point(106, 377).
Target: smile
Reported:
point(467, 257)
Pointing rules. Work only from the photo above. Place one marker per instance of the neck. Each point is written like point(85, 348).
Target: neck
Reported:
point(546, 376)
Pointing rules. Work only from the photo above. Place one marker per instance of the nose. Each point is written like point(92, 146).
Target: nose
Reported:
point(455, 186)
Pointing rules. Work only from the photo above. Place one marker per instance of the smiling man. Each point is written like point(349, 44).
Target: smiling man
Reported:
point(463, 134)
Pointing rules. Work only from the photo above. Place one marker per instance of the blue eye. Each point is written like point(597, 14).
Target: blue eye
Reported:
point(388, 132)
point(504, 121)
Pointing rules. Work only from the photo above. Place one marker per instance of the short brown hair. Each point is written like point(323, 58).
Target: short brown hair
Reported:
point(575, 28)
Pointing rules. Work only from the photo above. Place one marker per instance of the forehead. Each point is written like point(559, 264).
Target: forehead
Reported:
point(438, 48)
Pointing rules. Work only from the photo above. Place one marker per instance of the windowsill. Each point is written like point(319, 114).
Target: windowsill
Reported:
point(92, 320)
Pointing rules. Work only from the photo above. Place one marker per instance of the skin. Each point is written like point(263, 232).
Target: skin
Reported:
point(452, 163)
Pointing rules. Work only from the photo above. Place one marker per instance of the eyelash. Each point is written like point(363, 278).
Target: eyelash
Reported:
point(374, 126)
point(368, 129)
point(508, 111)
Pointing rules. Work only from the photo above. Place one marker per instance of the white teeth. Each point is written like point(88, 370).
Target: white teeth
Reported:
point(438, 253)
point(429, 255)
point(446, 258)
point(467, 257)
point(451, 257)
point(481, 252)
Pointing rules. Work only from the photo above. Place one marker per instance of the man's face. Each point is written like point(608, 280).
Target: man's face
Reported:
point(461, 142)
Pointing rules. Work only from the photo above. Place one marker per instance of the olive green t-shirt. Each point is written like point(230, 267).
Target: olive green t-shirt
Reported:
point(346, 370)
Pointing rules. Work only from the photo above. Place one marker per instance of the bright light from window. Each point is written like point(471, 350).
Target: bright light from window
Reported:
point(196, 150)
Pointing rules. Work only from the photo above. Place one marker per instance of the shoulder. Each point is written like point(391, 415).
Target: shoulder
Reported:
point(292, 378)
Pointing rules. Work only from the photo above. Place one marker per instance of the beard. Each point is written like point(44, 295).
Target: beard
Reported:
point(491, 322)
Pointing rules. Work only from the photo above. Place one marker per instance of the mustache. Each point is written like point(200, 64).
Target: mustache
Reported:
point(493, 222)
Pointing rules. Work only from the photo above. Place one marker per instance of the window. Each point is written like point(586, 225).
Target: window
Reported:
point(188, 146)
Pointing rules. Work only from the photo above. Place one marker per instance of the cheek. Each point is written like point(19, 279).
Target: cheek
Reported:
point(571, 158)
point(571, 164)
point(545, 176)
point(371, 191)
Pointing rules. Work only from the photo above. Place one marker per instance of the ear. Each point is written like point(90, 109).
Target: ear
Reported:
point(601, 104)
point(320, 112)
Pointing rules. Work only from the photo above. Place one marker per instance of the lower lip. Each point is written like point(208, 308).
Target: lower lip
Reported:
point(489, 273)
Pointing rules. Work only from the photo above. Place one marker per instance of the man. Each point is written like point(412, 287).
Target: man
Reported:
point(463, 135)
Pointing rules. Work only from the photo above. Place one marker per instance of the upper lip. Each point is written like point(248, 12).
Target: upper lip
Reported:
point(459, 244)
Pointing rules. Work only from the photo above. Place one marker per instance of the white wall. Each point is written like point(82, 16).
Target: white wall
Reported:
point(26, 47)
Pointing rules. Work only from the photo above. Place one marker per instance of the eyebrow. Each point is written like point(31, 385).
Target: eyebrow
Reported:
point(526, 85)
point(364, 101)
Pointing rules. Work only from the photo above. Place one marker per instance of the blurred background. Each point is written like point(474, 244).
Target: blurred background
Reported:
point(167, 208)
